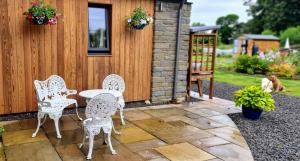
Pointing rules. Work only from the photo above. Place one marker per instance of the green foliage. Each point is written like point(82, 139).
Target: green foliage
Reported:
point(254, 97)
point(1, 131)
point(251, 65)
point(225, 46)
point(40, 9)
point(268, 32)
point(293, 58)
point(197, 24)
point(276, 15)
point(228, 27)
point(196, 57)
point(293, 33)
point(139, 17)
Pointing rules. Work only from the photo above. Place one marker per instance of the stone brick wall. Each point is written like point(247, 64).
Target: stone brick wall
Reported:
point(165, 27)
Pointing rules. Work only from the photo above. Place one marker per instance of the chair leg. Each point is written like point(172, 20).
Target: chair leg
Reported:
point(83, 138)
point(122, 116)
point(56, 122)
point(77, 112)
point(39, 117)
point(211, 88)
point(200, 87)
point(109, 144)
point(45, 118)
point(91, 145)
point(114, 129)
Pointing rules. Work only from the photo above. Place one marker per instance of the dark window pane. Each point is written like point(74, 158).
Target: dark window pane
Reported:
point(98, 29)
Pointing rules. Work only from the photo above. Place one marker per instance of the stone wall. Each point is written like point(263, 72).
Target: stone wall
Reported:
point(164, 49)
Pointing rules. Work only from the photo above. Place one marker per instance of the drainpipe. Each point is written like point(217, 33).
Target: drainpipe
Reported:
point(178, 38)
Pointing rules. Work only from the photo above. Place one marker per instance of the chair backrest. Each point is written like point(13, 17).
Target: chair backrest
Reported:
point(114, 82)
point(52, 88)
point(102, 106)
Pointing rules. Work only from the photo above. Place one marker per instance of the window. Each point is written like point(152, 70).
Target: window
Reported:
point(99, 29)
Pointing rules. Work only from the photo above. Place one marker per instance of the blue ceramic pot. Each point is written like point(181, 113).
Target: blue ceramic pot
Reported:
point(250, 113)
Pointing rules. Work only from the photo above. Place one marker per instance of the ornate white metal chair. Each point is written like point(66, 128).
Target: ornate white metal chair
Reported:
point(99, 112)
point(116, 82)
point(52, 100)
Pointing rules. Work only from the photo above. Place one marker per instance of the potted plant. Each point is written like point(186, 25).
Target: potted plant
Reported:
point(253, 101)
point(41, 14)
point(139, 19)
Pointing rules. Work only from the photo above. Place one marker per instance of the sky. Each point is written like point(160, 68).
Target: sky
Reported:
point(208, 11)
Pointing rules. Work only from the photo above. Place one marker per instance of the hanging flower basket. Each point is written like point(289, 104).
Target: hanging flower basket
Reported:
point(139, 19)
point(41, 14)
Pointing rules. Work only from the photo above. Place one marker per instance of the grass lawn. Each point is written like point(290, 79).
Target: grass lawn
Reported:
point(225, 46)
point(292, 86)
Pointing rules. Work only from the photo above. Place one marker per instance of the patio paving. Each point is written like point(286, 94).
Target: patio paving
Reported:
point(195, 131)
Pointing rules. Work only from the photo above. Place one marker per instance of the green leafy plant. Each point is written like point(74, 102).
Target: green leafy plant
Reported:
point(252, 65)
point(254, 97)
point(41, 14)
point(1, 131)
point(139, 19)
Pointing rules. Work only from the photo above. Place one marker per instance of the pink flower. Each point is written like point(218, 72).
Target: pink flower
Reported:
point(52, 21)
point(36, 3)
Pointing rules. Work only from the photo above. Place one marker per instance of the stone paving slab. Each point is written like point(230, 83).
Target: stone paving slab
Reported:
point(230, 134)
point(152, 125)
point(145, 145)
point(35, 151)
point(231, 152)
point(21, 125)
point(164, 112)
point(22, 137)
point(133, 134)
point(209, 142)
point(123, 154)
point(70, 152)
point(186, 132)
point(184, 152)
point(150, 154)
point(181, 134)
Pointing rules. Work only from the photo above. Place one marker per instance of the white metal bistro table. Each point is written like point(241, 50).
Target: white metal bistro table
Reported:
point(89, 94)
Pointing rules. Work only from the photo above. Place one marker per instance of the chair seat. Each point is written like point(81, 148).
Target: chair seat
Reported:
point(58, 105)
point(104, 123)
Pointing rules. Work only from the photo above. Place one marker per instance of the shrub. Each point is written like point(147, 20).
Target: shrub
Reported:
point(254, 97)
point(298, 69)
point(251, 65)
point(293, 33)
point(293, 58)
point(243, 63)
point(283, 70)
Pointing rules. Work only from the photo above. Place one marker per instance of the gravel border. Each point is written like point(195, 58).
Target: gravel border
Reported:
point(276, 136)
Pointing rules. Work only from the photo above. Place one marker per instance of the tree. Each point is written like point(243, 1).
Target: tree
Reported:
point(293, 33)
point(197, 24)
point(228, 28)
point(268, 32)
point(276, 15)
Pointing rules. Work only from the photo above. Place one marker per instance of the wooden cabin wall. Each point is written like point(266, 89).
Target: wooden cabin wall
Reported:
point(30, 52)
point(263, 45)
